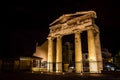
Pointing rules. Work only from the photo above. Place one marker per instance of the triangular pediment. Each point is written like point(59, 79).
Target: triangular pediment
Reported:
point(66, 17)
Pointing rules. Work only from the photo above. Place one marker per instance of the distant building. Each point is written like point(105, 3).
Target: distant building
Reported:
point(41, 51)
point(20, 64)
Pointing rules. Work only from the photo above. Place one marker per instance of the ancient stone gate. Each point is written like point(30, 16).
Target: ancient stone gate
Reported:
point(75, 24)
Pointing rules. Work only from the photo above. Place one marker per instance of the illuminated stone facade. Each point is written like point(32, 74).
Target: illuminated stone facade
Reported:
point(41, 51)
point(76, 23)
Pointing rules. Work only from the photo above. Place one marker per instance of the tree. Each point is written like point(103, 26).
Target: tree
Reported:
point(117, 59)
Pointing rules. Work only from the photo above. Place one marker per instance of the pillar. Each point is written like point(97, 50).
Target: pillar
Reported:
point(59, 54)
point(78, 53)
point(98, 51)
point(50, 55)
point(92, 52)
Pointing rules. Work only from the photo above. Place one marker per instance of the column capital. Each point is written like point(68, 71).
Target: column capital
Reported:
point(58, 35)
point(77, 31)
point(94, 28)
point(50, 38)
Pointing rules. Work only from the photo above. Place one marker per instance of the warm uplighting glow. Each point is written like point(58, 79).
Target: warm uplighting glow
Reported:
point(38, 69)
point(41, 51)
point(35, 69)
point(93, 67)
point(41, 54)
point(24, 58)
point(110, 60)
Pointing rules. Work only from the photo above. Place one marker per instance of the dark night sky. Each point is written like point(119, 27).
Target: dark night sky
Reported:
point(28, 22)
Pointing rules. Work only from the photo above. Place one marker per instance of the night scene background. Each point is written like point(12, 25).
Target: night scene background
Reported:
point(27, 22)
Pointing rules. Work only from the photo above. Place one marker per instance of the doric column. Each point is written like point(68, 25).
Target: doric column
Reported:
point(50, 55)
point(92, 52)
point(98, 51)
point(78, 53)
point(59, 54)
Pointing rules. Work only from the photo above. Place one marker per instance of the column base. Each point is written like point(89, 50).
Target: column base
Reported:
point(58, 71)
point(94, 72)
point(78, 72)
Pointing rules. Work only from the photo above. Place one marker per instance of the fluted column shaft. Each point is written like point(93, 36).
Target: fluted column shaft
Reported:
point(98, 51)
point(50, 55)
point(92, 52)
point(78, 53)
point(59, 54)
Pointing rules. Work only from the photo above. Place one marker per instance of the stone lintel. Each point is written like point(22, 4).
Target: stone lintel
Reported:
point(65, 29)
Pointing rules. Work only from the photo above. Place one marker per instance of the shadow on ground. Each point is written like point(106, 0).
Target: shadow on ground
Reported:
point(57, 76)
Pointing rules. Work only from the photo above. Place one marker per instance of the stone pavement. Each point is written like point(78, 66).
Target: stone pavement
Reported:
point(57, 76)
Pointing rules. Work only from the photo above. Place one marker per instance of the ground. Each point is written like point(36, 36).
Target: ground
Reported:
point(56, 76)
